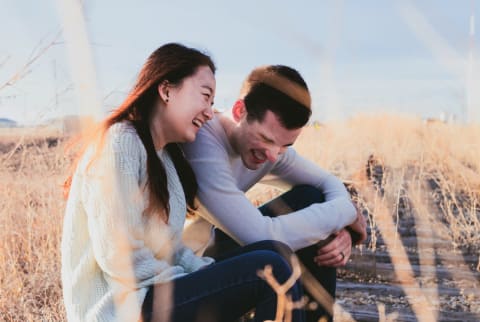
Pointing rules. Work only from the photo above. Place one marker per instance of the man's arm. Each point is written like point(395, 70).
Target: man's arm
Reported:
point(297, 170)
point(231, 211)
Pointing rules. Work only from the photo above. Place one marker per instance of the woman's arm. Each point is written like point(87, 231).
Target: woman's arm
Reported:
point(113, 196)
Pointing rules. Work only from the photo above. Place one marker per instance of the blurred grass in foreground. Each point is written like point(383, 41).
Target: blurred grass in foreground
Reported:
point(394, 165)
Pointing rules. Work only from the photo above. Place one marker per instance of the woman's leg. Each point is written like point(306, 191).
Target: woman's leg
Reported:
point(226, 290)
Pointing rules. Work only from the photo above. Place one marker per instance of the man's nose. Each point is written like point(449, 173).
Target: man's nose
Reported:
point(272, 153)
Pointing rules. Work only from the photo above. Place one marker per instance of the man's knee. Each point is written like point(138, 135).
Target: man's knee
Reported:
point(275, 246)
point(281, 268)
point(302, 196)
point(308, 192)
point(297, 198)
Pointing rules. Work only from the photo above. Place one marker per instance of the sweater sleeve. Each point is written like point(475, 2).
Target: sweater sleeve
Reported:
point(191, 262)
point(229, 209)
point(337, 208)
point(113, 198)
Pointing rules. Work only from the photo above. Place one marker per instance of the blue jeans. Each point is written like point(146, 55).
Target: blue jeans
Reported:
point(229, 288)
point(297, 198)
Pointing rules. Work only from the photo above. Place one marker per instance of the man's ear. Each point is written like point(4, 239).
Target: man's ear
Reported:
point(239, 110)
point(163, 90)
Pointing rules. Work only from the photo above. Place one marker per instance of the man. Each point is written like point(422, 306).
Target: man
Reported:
point(231, 153)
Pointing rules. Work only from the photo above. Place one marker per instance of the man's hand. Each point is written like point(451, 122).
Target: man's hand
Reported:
point(358, 229)
point(336, 252)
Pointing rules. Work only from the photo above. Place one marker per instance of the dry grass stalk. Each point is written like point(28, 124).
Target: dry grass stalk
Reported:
point(446, 156)
point(31, 213)
point(421, 306)
point(285, 305)
point(323, 298)
point(424, 221)
point(383, 317)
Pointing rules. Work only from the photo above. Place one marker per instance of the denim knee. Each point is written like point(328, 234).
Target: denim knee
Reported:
point(280, 266)
point(309, 192)
point(275, 246)
point(282, 271)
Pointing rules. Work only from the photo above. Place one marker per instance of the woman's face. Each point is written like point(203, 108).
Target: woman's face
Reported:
point(189, 105)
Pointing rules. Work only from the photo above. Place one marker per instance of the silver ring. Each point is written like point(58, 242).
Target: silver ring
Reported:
point(343, 255)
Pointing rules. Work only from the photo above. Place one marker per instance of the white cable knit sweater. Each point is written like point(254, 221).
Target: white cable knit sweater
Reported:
point(111, 253)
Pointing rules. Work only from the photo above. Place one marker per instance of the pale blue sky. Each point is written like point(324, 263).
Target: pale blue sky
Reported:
point(356, 55)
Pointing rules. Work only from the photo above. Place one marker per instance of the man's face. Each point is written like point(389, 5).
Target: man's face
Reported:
point(259, 142)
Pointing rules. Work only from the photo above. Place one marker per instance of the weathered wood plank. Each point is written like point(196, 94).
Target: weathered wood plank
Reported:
point(369, 313)
point(430, 255)
point(398, 290)
point(387, 271)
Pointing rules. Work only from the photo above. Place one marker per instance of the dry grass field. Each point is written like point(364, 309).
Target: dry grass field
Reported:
point(32, 169)
point(418, 184)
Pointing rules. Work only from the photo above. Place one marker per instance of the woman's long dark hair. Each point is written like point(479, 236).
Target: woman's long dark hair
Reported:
point(173, 63)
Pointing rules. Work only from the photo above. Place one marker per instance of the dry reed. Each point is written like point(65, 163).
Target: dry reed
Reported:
point(427, 170)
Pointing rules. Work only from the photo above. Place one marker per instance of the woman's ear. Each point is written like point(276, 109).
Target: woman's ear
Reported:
point(163, 90)
point(239, 110)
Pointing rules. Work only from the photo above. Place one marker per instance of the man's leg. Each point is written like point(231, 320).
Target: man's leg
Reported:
point(295, 199)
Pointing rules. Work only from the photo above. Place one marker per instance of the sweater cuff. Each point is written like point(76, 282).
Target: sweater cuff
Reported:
point(191, 262)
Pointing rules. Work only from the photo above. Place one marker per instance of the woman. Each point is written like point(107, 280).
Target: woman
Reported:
point(122, 257)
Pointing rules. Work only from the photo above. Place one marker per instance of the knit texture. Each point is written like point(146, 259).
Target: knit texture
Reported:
point(111, 251)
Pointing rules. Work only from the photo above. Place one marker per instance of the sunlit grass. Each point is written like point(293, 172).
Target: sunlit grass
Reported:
point(31, 213)
point(428, 171)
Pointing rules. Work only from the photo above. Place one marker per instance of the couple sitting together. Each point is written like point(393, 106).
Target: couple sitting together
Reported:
point(164, 152)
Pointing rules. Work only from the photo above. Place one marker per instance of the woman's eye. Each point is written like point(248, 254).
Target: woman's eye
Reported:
point(207, 96)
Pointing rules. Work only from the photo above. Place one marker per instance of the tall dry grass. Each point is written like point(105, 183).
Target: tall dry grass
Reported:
point(31, 214)
point(434, 163)
point(427, 170)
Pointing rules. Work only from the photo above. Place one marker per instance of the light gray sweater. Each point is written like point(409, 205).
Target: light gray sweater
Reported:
point(223, 181)
point(111, 253)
